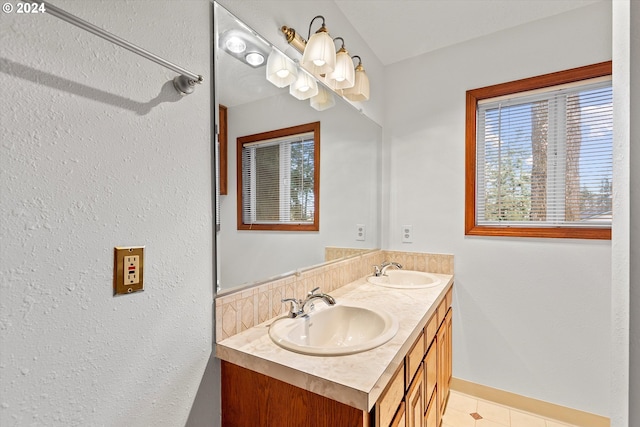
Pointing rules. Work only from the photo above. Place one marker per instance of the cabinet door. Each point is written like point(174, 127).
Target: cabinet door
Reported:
point(400, 419)
point(415, 401)
point(442, 366)
point(430, 372)
point(449, 349)
point(444, 362)
point(431, 417)
point(388, 404)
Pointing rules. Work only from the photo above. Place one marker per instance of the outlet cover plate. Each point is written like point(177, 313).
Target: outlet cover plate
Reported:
point(121, 271)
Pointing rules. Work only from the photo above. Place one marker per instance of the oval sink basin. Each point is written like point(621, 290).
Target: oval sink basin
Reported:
point(335, 331)
point(406, 279)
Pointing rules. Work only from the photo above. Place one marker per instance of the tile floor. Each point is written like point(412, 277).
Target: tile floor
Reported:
point(464, 411)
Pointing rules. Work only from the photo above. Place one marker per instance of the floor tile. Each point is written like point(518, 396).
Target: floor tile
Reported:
point(462, 402)
point(521, 419)
point(494, 412)
point(457, 418)
point(488, 423)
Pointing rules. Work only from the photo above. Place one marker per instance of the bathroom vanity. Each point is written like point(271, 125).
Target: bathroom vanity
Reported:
point(404, 382)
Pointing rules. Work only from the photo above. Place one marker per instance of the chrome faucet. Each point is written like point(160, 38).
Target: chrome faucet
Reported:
point(297, 307)
point(380, 270)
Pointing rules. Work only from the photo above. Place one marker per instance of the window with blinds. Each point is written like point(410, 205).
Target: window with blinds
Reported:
point(279, 187)
point(543, 161)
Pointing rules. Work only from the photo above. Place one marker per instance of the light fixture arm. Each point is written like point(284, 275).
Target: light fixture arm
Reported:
point(359, 60)
point(341, 39)
point(322, 27)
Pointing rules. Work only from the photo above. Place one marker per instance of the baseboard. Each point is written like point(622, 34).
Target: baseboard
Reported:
point(527, 404)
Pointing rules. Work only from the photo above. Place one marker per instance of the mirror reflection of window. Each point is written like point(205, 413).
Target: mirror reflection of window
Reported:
point(278, 172)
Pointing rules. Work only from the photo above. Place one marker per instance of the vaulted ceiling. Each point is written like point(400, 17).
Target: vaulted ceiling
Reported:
point(384, 24)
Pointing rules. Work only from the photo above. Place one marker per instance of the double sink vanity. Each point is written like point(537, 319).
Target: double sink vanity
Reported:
point(374, 352)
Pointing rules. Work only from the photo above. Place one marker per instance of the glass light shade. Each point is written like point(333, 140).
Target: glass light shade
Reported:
point(281, 71)
point(304, 87)
point(360, 90)
point(320, 53)
point(323, 100)
point(343, 75)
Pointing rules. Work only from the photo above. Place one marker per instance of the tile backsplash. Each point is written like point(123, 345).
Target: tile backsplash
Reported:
point(241, 310)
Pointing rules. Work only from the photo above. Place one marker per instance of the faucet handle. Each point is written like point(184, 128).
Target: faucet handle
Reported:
point(294, 309)
point(313, 291)
point(376, 271)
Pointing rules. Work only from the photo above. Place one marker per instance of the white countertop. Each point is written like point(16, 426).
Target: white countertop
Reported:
point(357, 379)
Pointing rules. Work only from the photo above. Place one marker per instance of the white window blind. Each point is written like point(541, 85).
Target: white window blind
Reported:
point(544, 159)
point(278, 181)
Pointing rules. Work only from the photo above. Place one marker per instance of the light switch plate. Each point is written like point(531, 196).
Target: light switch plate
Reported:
point(128, 270)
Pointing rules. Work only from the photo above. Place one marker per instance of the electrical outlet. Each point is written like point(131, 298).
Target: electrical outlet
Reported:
point(361, 232)
point(128, 269)
point(407, 233)
point(132, 270)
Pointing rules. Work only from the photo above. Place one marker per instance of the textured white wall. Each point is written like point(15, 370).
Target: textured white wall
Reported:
point(97, 152)
point(626, 241)
point(532, 316)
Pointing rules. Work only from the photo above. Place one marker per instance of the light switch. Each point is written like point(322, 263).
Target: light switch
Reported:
point(128, 269)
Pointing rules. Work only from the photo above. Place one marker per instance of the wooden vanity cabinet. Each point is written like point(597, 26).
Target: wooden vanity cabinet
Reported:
point(415, 396)
point(252, 399)
point(428, 369)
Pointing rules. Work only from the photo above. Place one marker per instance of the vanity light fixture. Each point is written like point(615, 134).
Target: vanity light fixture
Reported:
point(340, 80)
point(344, 73)
point(320, 50)
point(323, 100)
point(281, 71)
point(304, 87)
point(360, 90)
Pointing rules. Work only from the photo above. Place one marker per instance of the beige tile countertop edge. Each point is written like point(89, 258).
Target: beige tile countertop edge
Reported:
point(357, 379)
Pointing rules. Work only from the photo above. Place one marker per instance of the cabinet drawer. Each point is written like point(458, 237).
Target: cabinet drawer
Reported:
point(389, 402)
point(442, 309)
point(430, 330)
point(414, 358)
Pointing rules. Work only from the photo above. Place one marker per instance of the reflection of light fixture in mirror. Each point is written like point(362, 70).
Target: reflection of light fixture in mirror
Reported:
point(343, 75)
point(360, 90)
point(235, 44)
point(320, 50)
point(323, 100)
point(281, 71)
point(304, 87)
point(254, 59)
point(244, 47)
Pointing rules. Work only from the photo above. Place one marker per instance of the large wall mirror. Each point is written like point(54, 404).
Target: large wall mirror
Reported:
point(350, 176)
